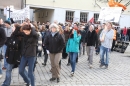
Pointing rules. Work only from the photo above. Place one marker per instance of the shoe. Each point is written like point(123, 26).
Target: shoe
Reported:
point(72, 74)
point(90, 66)
point(97, 53)
point(58, 80)
point(1, 76)
point(44, 64)
point(68, 64)
point(27, 84)
point(52, 79)
point(101, 65)
point(106, 67)
point(3, 68)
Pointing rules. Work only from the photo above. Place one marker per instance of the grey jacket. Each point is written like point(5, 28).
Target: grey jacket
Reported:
point(108, 38)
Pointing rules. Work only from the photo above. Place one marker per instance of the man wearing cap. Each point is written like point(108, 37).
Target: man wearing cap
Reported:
point(8, 31)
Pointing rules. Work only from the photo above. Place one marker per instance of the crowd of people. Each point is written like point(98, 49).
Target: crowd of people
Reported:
point(21, 44)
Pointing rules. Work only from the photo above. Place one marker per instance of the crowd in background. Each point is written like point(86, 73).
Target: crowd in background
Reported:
point(21, 44)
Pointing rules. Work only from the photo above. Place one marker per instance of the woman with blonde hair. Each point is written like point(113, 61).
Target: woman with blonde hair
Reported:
point(54, 43)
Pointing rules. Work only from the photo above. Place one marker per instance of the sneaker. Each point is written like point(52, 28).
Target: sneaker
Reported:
point(1, 76)
point(52, 79)
point(101, 65)
point(44, 64)
point(27, 84)
point(68, 64)
point(3, 68)
point(90, 66)
point(58, 80)
point(72, 74)
point(106, 67)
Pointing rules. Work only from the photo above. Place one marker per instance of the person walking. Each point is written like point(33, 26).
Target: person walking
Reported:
point(54, 43)
point(2, 42)
point(106, 39)
point(92, 43)
point(28, 54)
point(8, 30)
point(13, 54)
point(72, 47)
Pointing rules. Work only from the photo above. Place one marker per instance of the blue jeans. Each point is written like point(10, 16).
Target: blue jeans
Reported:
point(73, 56)
point(4, 49)
point(8, 75)
point(103, 51)
point(1, 61)
point(0, 68)
point(29, 79)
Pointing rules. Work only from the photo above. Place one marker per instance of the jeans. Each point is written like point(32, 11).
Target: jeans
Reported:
point(82, 48)
point(103, 51)
point(7, 80)
point(1, 61)
point(29, 79)
point(73, 56)
point(4, 50)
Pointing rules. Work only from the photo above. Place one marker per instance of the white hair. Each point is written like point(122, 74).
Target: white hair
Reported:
point(53, 25)
point(92, 26)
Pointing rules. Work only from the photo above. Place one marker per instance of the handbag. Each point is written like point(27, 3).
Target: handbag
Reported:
point(1, 56)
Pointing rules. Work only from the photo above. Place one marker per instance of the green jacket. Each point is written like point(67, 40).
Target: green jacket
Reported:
point(73, 43)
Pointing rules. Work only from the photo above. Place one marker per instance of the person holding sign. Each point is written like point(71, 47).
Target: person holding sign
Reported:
point(106, 38)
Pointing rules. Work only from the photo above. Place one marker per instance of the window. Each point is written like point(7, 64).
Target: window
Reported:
point(96, 15)
point(69, 16)
point(83, 17)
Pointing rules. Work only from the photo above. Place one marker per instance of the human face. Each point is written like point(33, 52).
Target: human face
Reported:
point(99, 27)
point(53, 29)
point(90, 28)
point(7, 25)
point(109, 26)
point(1, 21)
point(27, 32)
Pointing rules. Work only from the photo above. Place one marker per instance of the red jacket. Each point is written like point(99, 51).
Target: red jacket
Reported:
point(125, 31)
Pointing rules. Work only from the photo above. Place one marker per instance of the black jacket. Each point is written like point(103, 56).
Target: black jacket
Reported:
point(54, 44)
point(83, 35)
point(2, 37)
point(14, 47)
point(29, 44)
point(92, 38)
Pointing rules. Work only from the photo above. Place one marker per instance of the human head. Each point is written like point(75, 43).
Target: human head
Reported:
point(43, 28)
point(1, 21)
point(26, 29)
point(91, 28)
point(99, 27)
point(109, 25)
point(61, 31)
point(54, 27)
point(7, 23)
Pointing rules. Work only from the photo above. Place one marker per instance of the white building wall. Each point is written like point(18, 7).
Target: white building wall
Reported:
point(124, 21)
point(59, 15)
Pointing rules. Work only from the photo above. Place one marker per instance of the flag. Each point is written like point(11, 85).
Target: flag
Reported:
point(91, 20)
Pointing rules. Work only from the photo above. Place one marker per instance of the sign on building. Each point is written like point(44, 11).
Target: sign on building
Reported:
point(111, 14)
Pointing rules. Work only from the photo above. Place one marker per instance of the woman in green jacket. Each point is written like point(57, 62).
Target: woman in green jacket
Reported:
point(73, 47)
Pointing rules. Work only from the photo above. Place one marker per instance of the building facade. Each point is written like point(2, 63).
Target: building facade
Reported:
point(72, 11)
point(18, 4)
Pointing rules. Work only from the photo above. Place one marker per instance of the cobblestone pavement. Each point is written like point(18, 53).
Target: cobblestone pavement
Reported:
point(118, 73)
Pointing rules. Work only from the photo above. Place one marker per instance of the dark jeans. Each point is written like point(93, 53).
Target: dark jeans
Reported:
point(113, 45)
point(29, 79)
point(45, 54)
